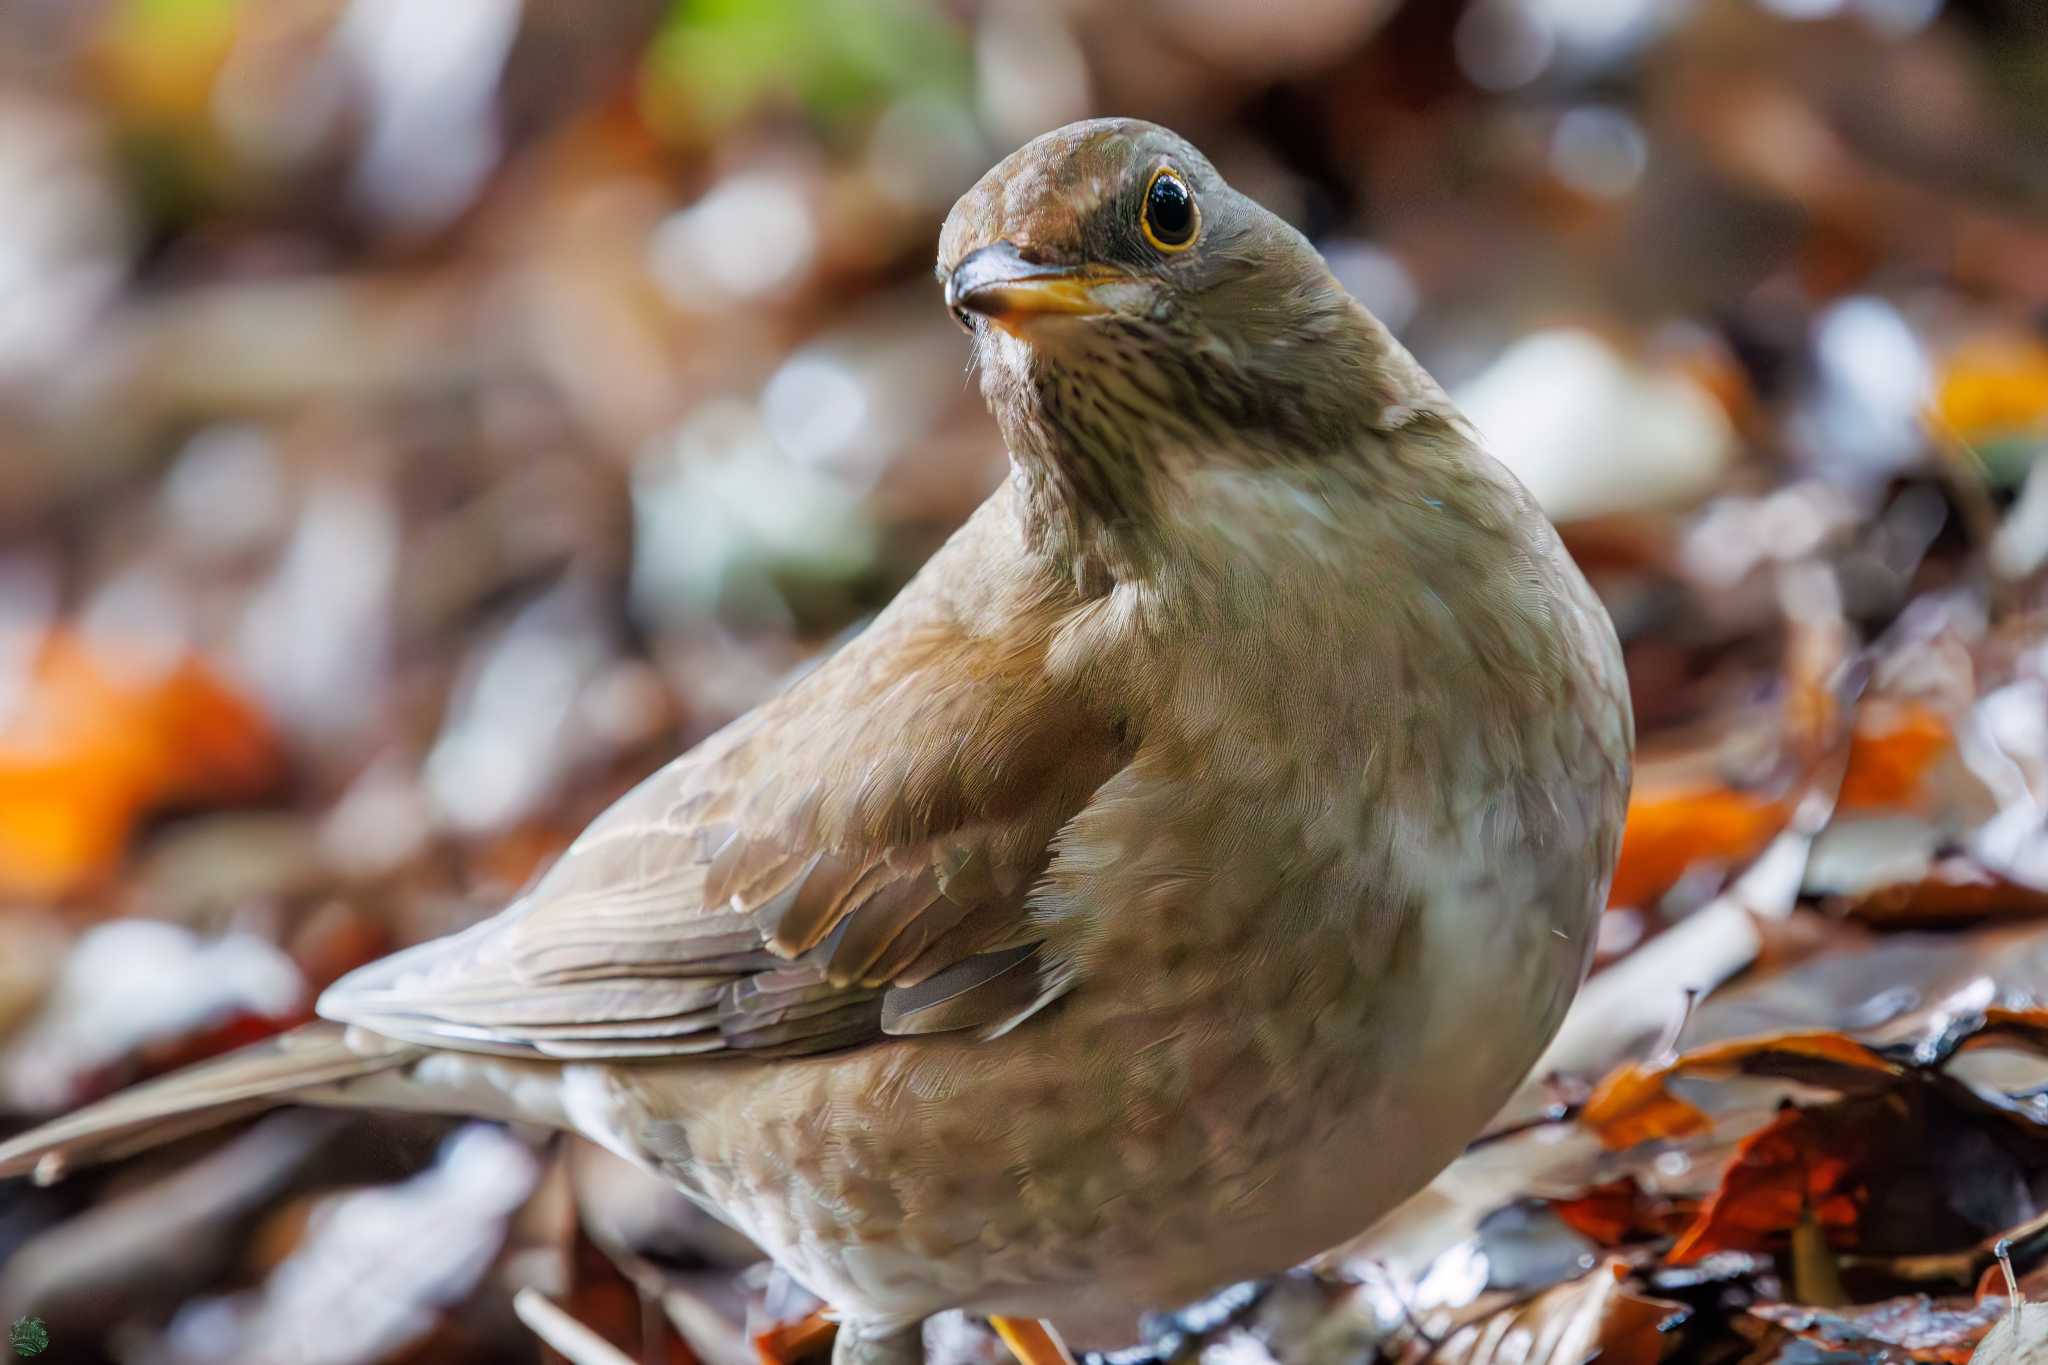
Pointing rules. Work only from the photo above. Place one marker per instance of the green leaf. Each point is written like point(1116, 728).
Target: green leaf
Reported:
point(716, 61)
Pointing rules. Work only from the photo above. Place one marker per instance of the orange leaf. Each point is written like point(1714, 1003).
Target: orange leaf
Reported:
point(1669, 831)
point(1621, 1211)
point(1894, 747)
point(93, 742)
point(1782, 1173)
point(1994, 389)
point(786, 1343)
point(1632, 1105)
point(1758, 1053)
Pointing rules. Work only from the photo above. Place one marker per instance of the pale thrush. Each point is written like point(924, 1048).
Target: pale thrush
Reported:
point(1175, 875)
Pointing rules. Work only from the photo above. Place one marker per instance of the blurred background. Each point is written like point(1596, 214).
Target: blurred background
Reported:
point(421, 418)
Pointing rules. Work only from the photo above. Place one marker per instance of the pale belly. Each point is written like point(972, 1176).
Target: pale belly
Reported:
point(1120, 1153)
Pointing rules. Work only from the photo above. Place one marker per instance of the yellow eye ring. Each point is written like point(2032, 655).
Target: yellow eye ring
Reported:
point(1169, 216)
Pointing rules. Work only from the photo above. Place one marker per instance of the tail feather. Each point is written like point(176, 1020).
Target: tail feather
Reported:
point(246, 1082)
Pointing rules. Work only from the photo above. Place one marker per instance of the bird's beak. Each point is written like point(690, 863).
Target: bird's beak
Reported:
point(1000, 284)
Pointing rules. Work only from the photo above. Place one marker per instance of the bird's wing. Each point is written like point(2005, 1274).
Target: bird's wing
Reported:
point(853, 858)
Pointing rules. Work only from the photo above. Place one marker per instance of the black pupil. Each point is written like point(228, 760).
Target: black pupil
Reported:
point(1170, 209)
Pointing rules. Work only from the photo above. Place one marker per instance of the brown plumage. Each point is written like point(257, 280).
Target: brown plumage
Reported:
point(1172, 878)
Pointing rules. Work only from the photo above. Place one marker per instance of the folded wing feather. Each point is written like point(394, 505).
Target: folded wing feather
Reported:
point(712, 910)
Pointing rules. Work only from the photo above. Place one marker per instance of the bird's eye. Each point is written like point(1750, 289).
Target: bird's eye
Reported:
point(1170, 219)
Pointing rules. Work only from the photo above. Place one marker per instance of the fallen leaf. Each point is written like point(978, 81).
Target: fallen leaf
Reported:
point(2017, 1339)
point(1594, 1317)
point(130, 985)
point(1954, 888)
point(1923, 1328)
point(1893, 748)
point(808, 1338)
point(1668, 832)
point(94, 742)
point(1924, 1170)
point(1633, 1105)
point(1620, 1211)
point(371, 1270)
point(1994, 389)
point(1799, 1166)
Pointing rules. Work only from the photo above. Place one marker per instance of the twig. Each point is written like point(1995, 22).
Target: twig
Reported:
point(2012, 1281)
point(1666, 1051)
point(575, 1341)
point(2028, 1241)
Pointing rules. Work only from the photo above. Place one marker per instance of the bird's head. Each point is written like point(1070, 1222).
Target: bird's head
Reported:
point(1134, 316)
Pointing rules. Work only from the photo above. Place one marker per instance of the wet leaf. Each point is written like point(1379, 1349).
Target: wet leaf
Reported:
point(1596, 1316)
point(1799, 1167)
point(1620, 1211)
point(1920, 1328)
point(1633, 1104)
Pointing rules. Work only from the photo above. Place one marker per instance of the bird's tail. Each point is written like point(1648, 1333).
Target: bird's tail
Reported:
point(290, 1067)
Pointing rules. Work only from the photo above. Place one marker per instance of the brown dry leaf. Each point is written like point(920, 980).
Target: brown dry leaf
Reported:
point(1955, 888)
point(1620, 1211)
point(1594, 1317)
point(96, 741)
point(2004, 1027)
point(1915, 1169)
point(1675, 824)
point(1633, 1105)
point(1800, 1166)
point(1916, 1328)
